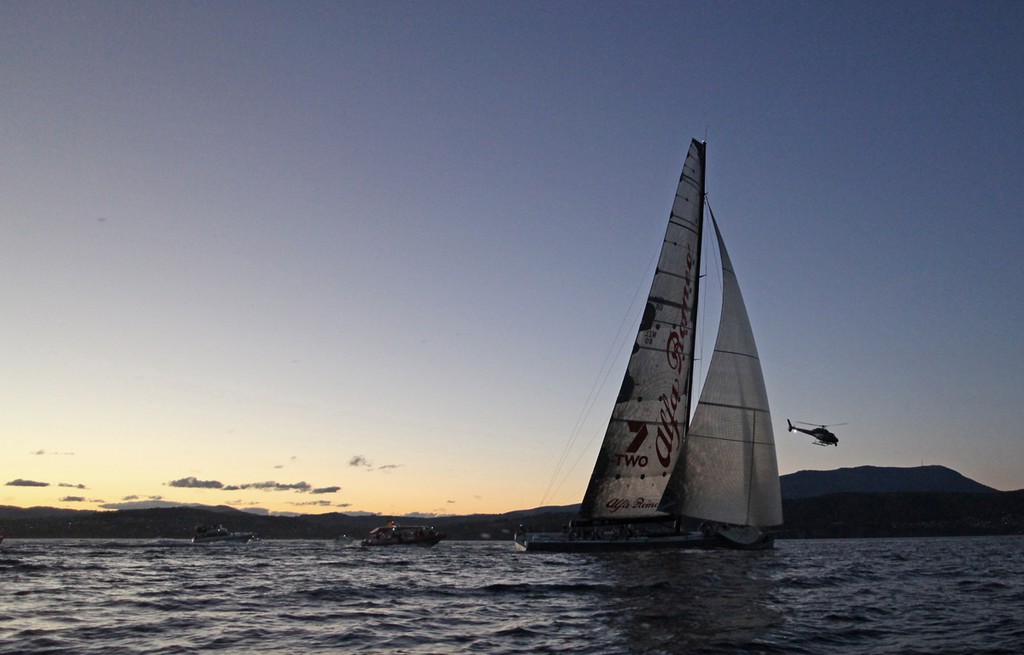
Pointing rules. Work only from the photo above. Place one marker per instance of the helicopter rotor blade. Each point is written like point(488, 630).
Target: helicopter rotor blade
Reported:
point(820, 425)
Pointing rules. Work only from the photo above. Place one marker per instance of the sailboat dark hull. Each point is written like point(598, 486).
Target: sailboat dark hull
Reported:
point(560, 542)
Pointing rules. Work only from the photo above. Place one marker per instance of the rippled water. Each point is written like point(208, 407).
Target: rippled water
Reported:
point(846, 596)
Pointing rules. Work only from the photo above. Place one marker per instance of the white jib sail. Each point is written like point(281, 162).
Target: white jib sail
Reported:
point(730, 474)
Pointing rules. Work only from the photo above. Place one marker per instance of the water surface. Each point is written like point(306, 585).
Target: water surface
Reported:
point(960, 595)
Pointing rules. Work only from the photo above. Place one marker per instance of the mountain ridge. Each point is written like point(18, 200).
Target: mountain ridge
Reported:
point(878, 479)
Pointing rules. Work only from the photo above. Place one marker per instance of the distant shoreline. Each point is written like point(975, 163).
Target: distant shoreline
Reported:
point(842, 515)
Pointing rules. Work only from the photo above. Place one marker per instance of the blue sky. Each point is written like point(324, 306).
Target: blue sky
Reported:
point(384, 248)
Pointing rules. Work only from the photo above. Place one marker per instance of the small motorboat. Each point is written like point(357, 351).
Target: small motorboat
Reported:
point(220, 534)
point(403, 535)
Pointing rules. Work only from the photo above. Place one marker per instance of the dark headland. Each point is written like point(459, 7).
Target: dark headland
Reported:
point(866, 501)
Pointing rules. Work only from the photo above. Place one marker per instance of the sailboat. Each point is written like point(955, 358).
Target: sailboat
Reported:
point(666, 478)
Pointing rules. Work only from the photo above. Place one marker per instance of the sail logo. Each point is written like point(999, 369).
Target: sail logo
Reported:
point(629, 458)
point(615, 504)
point(669, 433)
point(675, 346)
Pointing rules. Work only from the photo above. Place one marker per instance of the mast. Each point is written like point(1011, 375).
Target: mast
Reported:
point(703, 150)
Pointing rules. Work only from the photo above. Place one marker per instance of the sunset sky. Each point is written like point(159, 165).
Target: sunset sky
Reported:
point(372, 256)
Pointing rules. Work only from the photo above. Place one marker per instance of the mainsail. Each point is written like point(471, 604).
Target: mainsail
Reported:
point(730, 473)
point(645, 435)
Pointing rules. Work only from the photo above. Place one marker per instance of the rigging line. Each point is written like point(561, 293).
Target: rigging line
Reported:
point(602, 376)
point(599, 383)
point(573, 467)
point(616, 347)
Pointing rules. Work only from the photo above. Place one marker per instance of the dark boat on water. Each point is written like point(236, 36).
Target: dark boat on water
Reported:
point(403, 535)
point(220, 534)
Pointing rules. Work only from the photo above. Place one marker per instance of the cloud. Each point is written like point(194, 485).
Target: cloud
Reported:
point(269, 485)
point(43, 452)
point(326, 490)
point(72, 486)
point(362, 462)
point(72, 499)
point(277, 486)
point(359, 460)
point(318, 503)
point(192, 483)
point(27, 483)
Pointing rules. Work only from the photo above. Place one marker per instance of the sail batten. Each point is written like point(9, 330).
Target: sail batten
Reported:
point(657, 300)
point(729, 352)
point(676, 275)
point(732, 439)
point(680, 223)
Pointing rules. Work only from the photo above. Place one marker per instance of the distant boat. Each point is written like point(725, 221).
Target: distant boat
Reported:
point(660, 468)
point(220, 534)
point(403, 535)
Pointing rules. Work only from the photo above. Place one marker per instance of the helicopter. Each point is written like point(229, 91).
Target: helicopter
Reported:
point(820, 433)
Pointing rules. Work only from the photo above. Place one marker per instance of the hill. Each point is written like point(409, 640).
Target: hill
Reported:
point(878, 479)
